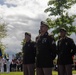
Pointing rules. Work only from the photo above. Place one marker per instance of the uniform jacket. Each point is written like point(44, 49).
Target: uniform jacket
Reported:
point(29, 52)
point(45, 51)
point(65, 50)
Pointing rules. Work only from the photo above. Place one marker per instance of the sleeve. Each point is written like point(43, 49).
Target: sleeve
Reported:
point(53, 48)
point(23, 48)
point(34, 48)
point(57, 49)
point(73, 47)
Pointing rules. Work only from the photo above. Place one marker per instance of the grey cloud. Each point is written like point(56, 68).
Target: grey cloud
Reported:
point(1, 2)
point(15, 3)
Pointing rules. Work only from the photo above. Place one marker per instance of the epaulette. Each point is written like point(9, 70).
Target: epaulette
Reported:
point(51, 36)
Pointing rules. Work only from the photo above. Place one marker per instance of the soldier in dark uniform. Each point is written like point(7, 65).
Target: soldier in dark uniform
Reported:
point(45, 51)
point(29, 51)
point(65, 49)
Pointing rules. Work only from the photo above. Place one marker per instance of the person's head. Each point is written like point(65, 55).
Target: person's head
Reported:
point(43, 27)
point(27, 36)
point(62, 32)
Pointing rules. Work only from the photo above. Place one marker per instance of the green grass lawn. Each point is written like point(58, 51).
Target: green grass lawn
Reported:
point(21, 73)
point(12, 73)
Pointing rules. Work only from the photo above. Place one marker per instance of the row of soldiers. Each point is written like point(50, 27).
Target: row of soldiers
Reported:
point(39, 55)
point(44, 50)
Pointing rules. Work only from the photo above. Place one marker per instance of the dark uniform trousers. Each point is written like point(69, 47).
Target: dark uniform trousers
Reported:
point(65, 50)
point(44, 71)
point(29, 69)
point(46, 48)
point(65, 69)
point(29, 51)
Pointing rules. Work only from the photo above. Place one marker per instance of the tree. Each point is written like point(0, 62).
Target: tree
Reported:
point(3, 33)
point(23, 42)
point(59, 9)
point(2, 46)
point(19, 55)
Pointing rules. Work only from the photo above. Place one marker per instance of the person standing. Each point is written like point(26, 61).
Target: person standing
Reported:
point(29, 51)
point(7, 65)
point(46, 48)
point(2, 62)
point(65, 49)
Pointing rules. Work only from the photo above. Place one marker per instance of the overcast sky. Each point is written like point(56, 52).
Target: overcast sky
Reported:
point(22, 16)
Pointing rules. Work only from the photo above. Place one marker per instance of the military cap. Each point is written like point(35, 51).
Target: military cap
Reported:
point(62, 29)
point(44, 23)
point(26, 33)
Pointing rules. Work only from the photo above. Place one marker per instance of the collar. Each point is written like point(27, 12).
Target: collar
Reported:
point(28, 41)
point(63, 38)
point(46, 33)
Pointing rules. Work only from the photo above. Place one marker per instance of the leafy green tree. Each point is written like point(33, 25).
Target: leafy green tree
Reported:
point(59, 9)
point(23, 42)
point(3, 33)
point(19, 55)
point(2, 46)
